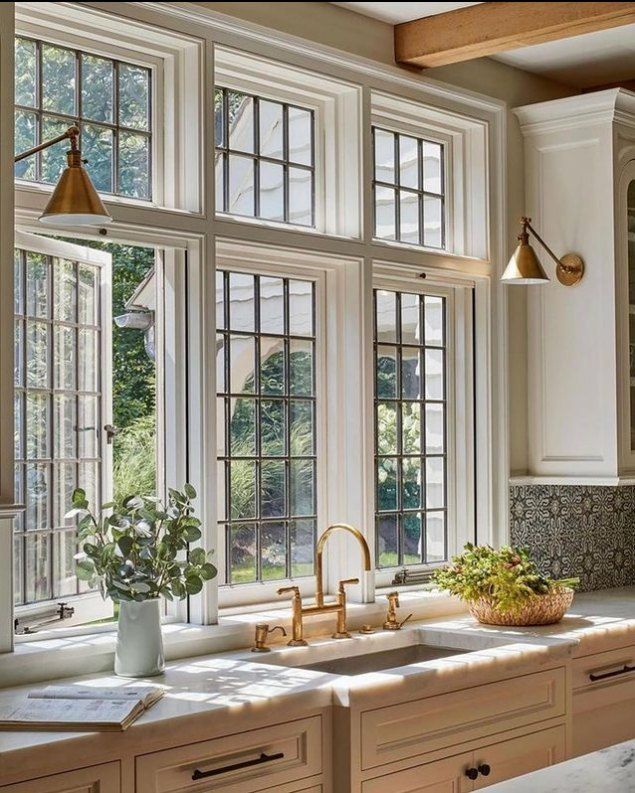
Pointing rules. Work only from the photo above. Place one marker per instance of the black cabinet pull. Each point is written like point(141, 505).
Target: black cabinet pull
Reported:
point(264, 758)
point(472, 773)
point(484, 769)
point(626, 668)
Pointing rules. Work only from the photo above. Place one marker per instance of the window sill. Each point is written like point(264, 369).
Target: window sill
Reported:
point(52, 657)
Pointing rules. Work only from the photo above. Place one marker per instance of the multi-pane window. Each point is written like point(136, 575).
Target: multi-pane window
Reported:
point(265, 159)
point(266, 425)
point(410, 428)
point(108, 99)
point(408, 187)
point(58, 406)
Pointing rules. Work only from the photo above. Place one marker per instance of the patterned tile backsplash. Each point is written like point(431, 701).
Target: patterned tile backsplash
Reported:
point(577, 531)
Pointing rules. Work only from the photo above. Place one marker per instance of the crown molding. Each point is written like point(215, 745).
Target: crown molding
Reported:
point(574, 112)
point(433, 90)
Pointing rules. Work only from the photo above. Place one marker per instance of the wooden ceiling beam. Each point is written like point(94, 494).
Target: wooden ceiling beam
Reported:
point(489, 28)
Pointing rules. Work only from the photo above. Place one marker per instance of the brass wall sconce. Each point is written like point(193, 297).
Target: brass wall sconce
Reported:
point(525, 268)
point(75, 201)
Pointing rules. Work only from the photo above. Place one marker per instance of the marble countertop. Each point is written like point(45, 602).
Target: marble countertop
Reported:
point(225, 691)
point(610, 770)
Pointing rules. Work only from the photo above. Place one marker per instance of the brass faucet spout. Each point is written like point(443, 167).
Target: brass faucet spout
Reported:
point(319, 582)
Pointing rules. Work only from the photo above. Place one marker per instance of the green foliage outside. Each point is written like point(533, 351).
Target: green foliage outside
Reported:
point(272, 439)
point(507, 577)
point(387, 444)
point(133, 378)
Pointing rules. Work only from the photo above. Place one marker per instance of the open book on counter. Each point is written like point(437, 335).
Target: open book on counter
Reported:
point(78, 709)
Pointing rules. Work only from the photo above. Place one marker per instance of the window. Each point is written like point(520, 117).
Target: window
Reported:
point(264, 158)
point(408, 189)
point(410, 428)
point(266, 425)
point(109, 100)
point(60, 404)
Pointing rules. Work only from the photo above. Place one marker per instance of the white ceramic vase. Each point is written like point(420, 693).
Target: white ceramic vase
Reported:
point(139, 642)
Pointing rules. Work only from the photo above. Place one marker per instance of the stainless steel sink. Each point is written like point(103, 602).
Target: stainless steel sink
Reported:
point(386, 659)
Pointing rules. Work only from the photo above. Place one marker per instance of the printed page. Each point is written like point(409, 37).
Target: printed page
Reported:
point(147, 695)
point(84, 712)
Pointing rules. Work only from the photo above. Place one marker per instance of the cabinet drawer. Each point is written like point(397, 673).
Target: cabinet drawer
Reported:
point(604, 669)
point(407, 730)
point(442, 776)
point(96, 779)
point(244, 763)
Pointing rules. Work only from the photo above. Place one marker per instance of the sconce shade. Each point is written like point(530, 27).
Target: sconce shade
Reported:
point(75, 201)
point(524, 266)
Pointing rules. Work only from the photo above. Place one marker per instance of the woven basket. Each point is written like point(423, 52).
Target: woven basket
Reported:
point(538, 610)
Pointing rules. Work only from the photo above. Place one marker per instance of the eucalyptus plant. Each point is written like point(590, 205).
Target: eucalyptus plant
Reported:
point(508, 577)
point(140, 549)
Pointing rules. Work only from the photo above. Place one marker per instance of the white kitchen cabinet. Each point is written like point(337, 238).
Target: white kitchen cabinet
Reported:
point(442, 776)
point(105, 778)
point(278, 758)
point(580, 165)
point(517, 756)
point(603, 700)
point(477, 769)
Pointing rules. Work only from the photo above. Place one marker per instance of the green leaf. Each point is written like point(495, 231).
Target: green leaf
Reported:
point(125, 544)
point(193, 585)
point(78, 497)
point(85, 569)
point(193, 534)
point(190, 492)
point(75, 512)
point(208, 571)
point(133, 502)
point(197, 556)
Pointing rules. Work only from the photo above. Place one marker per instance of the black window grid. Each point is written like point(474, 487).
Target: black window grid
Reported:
point(398, 188)
point(80, 120)
point(400, 512)
point(258, 521)
point(223, 152)
point(51, 464)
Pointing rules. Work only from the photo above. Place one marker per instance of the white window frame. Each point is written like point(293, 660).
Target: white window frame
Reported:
point(175, 65)
point(88, 606)
point(460, 438)
point(329, 274)
point(464, 161)
point(477, 126)
point(337, 153)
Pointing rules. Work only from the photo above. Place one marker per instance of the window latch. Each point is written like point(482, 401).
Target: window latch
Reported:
point(111, 431)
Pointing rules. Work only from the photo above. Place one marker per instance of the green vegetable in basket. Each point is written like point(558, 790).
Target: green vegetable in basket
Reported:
point(507, 577)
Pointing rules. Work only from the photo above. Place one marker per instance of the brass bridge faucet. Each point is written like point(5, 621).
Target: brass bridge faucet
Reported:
point(320, 607)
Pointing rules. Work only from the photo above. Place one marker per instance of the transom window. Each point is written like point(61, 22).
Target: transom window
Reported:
point(266, 379)
point(58, 415)
point(108, 99)
point(265, 159)
point(410, 428)
point(408, 187)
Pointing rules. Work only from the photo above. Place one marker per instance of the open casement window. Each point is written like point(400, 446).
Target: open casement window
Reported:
point(423, 406)
point(62, 409)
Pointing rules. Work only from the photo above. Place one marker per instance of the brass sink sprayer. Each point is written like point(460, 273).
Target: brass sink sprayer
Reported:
point(320, 607)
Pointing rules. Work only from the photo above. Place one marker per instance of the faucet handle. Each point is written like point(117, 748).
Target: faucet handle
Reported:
point(286, 589)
